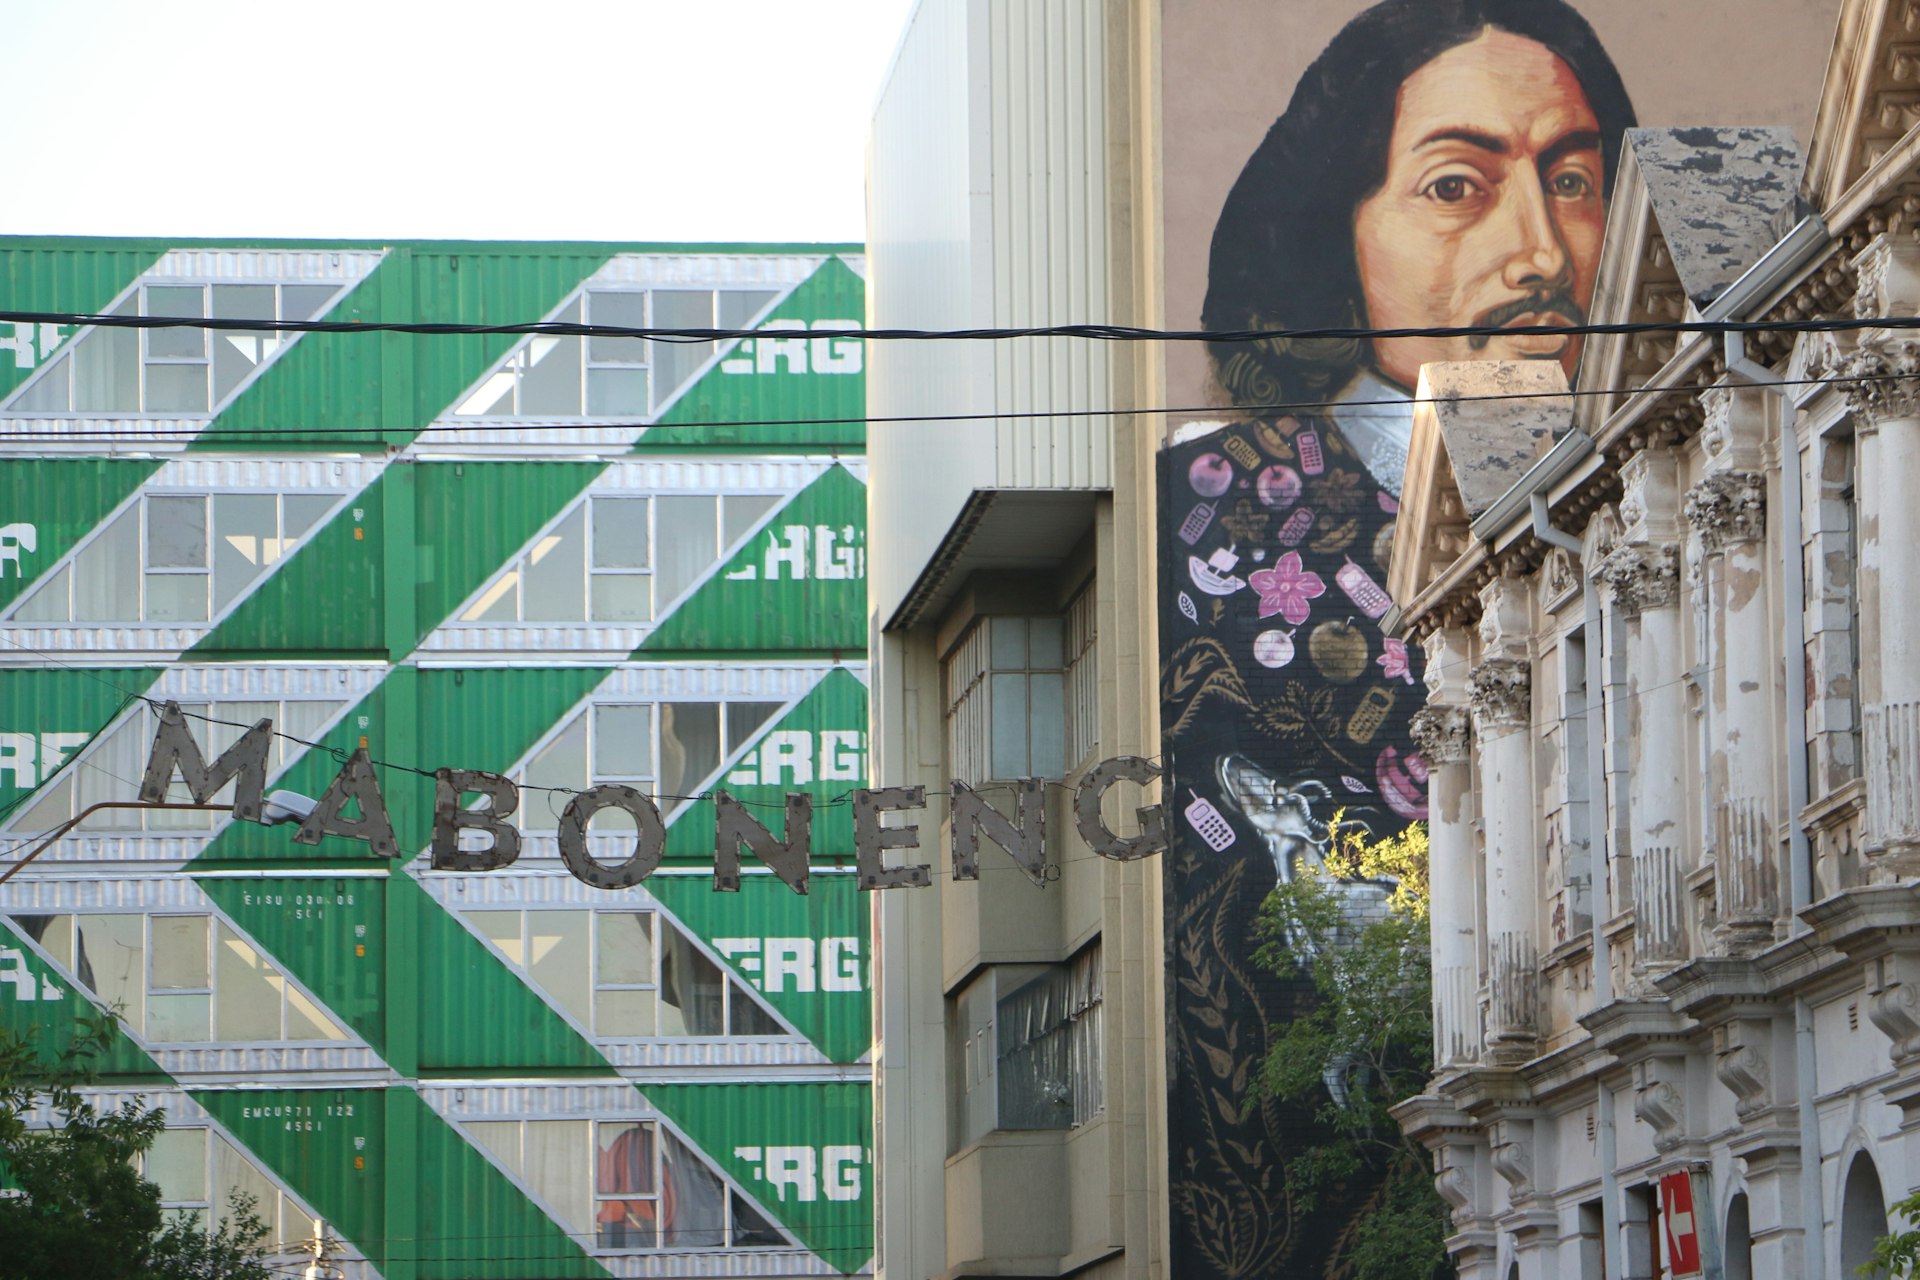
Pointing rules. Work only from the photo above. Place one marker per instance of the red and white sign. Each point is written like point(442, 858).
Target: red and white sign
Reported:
point(1676, 1215)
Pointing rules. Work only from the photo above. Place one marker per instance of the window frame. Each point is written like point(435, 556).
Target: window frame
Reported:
point(63, 363)
point(139, 510)
point(514, 365)
point(660, 929)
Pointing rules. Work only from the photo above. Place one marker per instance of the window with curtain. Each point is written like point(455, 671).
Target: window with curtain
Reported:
point(1025, 1046)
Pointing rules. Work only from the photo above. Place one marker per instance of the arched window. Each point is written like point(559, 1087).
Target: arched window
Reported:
point(1739, 1262)
point(1863, 1214)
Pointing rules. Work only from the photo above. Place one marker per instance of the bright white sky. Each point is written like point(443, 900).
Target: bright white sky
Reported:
point(460, 119)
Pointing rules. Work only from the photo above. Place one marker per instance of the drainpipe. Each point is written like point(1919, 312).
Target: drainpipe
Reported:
point(1800, 852)
point(1598, 835)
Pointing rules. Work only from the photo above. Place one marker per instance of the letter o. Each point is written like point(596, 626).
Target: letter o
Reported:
point(649, 844)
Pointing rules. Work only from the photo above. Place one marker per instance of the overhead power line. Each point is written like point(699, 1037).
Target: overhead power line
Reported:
point(1090, 332)
point(1386, 408)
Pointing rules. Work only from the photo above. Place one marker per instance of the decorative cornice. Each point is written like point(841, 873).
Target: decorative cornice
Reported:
point(1642, 576)
point(1443, 733)
point(1728, 508)
point(1501, 693)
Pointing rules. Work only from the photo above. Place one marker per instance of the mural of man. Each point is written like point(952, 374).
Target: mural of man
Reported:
point(1442, 163)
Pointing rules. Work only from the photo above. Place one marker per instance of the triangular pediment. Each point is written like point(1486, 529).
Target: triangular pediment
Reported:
point(1637, 283)
point(1721, 196)
point(1478, 427)
point(1871, 98)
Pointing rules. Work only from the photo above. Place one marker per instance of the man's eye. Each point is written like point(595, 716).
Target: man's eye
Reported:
point(1572, 185)
point(1451, 189)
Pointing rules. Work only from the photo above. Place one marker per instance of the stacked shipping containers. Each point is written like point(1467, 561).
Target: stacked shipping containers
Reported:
point(568, 560)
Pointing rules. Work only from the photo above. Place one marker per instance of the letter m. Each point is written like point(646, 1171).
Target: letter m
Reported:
point(174, 748)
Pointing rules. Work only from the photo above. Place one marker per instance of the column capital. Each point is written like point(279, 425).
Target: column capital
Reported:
point(1642, 576)
point(1443, 733)
point(1880, 377)
point(1887, 277)
point(1728, 508)
point(1501, 693)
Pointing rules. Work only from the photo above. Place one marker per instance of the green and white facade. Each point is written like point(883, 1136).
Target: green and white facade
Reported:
point(566, 560)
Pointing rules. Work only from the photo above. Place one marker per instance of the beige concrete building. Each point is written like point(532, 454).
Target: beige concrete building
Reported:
point(1672, 715)
point(1011, 589)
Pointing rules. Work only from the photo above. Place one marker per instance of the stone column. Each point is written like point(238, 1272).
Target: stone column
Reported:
point(1441, 729)
point(1887, 433)
point(1500, 692)
point(1728, 512)
point(1642, 577)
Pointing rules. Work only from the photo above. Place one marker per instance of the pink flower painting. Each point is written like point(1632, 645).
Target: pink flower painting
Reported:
point(1393, 663)
point(1287, 588)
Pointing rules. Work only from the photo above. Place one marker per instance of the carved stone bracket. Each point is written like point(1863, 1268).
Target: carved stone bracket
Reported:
point(1642, 576)
point(1443, 733)
point(1650, 498)
point(1660, 1100)
point(1893, 1003)
point(1728, 508)
point(1501, 693)
point(1453, 1178)
point(1742, 1051)
point(1512, 1156)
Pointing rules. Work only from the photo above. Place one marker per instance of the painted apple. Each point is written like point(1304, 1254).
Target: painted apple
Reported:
point(1210, 475)
point(1273, 648)
point(1279, 486)
point(1339, 650)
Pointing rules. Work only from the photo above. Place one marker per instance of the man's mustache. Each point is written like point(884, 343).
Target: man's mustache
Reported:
point(1551, 302)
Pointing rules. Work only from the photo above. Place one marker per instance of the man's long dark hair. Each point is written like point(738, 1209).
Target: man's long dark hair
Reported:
point(1283, 254)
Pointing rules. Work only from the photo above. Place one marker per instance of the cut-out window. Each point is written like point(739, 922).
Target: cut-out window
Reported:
point(172, 372)
point(664, 750)
point(197, 1172)
point(175, 558)
point(551, 376)
point(617, 559)
point(627, 1184)
point(625, 975)
point(182, 979)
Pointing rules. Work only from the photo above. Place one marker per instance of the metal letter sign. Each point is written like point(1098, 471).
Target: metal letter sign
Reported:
point(1676, 1213)
point(1024, 836)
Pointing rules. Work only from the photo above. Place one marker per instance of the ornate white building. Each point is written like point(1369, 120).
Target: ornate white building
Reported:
point(1673, 722)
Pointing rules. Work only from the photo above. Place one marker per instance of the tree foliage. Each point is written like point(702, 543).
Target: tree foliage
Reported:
point(1897, 1254)
point(1365, 1044)
point(75, 1203)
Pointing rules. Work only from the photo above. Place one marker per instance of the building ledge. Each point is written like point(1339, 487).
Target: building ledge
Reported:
point(1071, 1264)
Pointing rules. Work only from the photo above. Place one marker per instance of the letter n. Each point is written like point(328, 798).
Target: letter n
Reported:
point(733, 826)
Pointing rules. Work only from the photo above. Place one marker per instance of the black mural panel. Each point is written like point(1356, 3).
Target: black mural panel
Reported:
point(1282, 703)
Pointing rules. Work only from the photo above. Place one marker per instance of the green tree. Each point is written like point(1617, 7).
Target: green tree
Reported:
point(75, 1203)
point(1897, 1254)
point(1359, 932)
